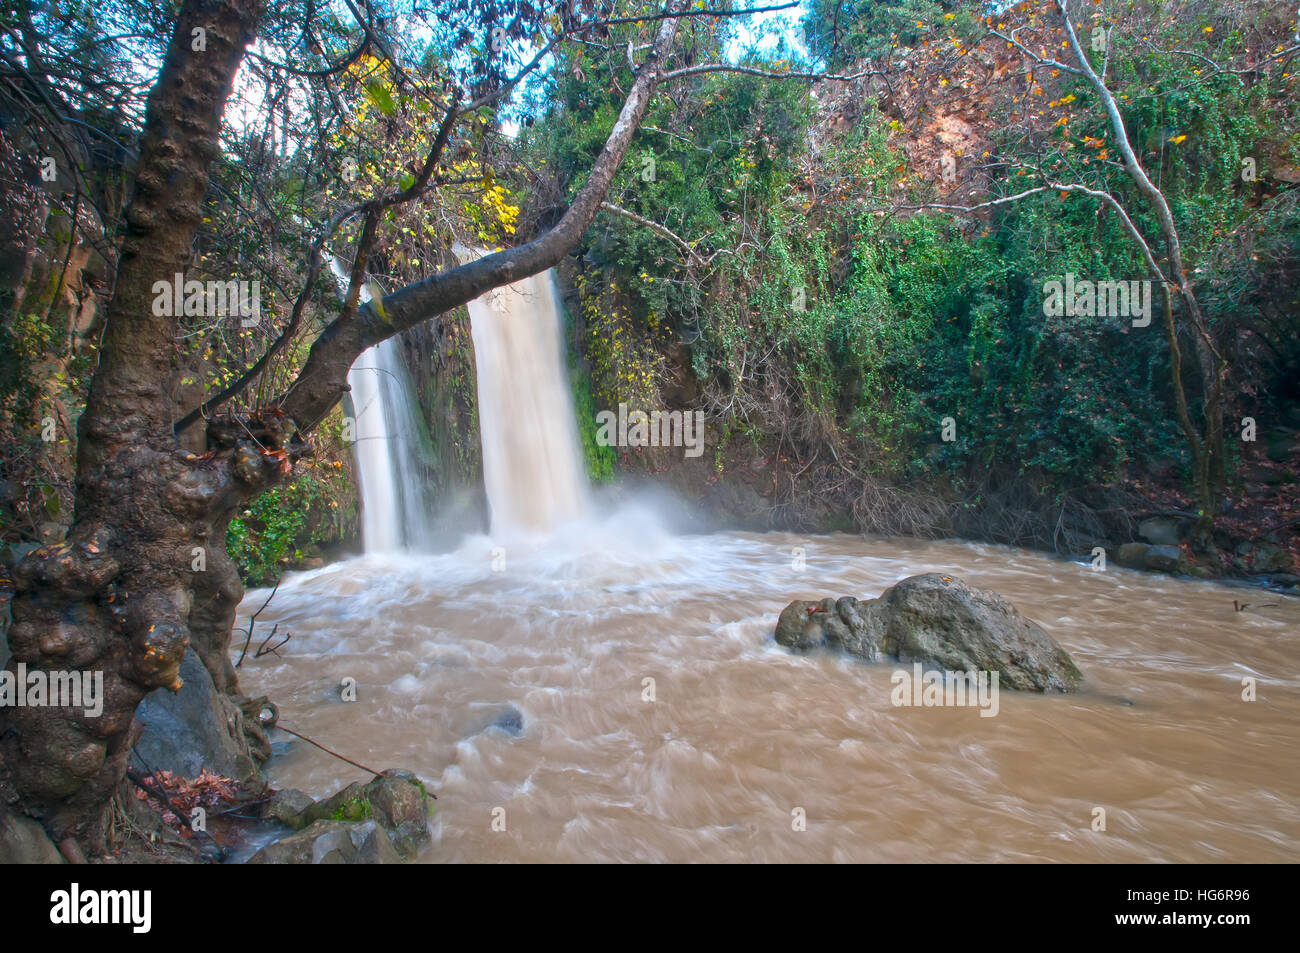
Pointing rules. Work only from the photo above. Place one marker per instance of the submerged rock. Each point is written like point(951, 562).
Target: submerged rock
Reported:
point(510, 720)
point(938, 621)
point(483, 717)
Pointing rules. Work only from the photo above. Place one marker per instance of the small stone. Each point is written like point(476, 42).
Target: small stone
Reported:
point(332, 842)
point(1132, 555)
point(287, 807)
point(1161, 531)
point(1164, 559)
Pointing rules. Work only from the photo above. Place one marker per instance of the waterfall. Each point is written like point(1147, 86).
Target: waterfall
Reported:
point(532, 462)
point(390, 451)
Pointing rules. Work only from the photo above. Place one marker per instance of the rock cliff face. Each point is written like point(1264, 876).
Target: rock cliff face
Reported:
point(940, 622)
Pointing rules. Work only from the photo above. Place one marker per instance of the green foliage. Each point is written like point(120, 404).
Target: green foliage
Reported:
point(283, 524)
point(599, 460)
point(867, 329)
point(26, 340)
point(841, 31)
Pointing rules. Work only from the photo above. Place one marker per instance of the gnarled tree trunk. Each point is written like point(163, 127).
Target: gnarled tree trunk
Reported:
point(124, 594)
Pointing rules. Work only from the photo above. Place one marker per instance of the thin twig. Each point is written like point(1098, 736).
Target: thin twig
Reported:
point(253, 621)
point(327, 750)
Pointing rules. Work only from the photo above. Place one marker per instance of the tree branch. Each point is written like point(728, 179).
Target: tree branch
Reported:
point(768, 74)
point(323, 379)
point(655, 227)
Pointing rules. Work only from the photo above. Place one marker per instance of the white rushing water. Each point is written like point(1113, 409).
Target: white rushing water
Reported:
point(532, 463)
point(395, 511)
point(391, 458)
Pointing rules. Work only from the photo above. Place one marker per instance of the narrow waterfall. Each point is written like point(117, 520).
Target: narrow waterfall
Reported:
point(532, 462)
point(392, 459)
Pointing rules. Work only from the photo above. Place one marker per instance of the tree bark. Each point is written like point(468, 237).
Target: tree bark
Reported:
point(143, 561)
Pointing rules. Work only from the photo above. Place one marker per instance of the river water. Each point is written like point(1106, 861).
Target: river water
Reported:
point(511, 674)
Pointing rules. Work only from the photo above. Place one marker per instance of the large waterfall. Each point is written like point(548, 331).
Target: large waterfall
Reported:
point(532, 463)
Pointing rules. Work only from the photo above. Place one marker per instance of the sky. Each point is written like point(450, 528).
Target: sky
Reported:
point(760, 31)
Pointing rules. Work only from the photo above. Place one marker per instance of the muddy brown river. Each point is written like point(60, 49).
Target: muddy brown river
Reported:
point(515, 678)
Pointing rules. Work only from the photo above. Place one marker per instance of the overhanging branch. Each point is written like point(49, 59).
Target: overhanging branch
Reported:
point(323, 379)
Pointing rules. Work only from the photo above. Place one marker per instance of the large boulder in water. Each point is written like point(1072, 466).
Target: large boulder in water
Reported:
point(940, 622)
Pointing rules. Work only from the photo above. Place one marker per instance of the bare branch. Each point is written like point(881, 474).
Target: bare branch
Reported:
point(769, 74)
point(655, 227)
point(1040, 60)
point(323, 379)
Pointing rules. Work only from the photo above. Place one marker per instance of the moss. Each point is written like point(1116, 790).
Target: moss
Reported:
point(353, 809)
point(318, 507)
point(599, 459)
point(352, 812)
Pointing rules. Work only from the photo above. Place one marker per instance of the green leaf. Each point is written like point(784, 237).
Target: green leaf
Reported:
point(379, 95)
